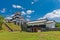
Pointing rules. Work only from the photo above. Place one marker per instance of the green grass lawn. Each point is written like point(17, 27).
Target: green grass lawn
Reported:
point(53, 35)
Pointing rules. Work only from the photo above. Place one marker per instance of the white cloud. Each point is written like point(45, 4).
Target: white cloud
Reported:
point(23, 13)
point(36, 0)
point(14, 6)
point(41, 18)
point(59, 0)
point(27, 12)
point(53, 14)
point(12, 15)
point(3, 10)
point(17, 6)
point(32, 2)
point(30, 11)
point(28, 19)
point(8, 18)
point(28, 16)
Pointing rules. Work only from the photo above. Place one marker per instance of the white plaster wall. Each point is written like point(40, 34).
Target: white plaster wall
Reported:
point(50, 25)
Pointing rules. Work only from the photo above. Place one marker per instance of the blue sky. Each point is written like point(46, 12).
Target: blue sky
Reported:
point(31, 9)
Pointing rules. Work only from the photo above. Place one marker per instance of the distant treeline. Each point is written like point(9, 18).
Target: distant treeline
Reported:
point(58, 24)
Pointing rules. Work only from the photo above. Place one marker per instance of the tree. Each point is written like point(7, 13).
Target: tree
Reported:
point(1, 21)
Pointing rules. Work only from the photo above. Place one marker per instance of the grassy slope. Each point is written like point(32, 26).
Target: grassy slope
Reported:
point(5, 28)
point(14, 27)
point(30, 36)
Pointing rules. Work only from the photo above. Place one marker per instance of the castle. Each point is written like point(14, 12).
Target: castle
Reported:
point(31, 26)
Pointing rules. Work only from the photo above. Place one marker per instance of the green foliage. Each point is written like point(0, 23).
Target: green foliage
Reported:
point(1, 21)
point(58, 25)
point(1, 17)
